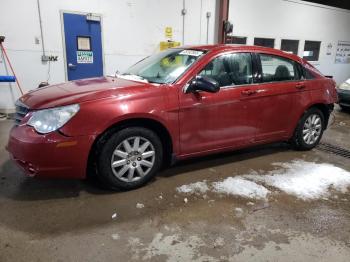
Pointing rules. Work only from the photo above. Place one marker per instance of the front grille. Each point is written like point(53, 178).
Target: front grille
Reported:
point(21, 111)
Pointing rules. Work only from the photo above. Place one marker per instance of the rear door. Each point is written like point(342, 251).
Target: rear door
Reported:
point(83, 46)
point(277, 94)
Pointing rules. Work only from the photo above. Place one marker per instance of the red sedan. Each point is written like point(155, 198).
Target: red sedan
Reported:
point(180, 103)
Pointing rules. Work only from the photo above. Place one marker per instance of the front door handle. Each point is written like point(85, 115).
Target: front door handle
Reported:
point(300, 86)
point(248, 92)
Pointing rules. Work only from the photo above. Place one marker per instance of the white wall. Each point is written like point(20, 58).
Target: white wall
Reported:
point(284, 19)
point(132, 29)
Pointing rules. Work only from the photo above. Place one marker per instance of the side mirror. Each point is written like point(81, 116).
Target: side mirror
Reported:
point(202, 83)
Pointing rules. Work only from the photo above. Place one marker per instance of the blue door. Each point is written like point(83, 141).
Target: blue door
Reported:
point(83, 46)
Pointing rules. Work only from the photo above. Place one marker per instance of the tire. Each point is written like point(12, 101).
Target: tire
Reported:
point(123, 163)
point(309, 130)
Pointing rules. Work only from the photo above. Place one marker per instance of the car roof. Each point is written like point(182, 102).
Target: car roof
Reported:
point(244, 48)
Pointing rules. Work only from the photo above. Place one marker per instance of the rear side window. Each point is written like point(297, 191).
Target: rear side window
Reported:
point(230, 69)
point(276, 69)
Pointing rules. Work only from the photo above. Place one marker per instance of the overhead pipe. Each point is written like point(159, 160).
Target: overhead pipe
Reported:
point(183, 13)
point(200, 22)
point(41, 31)
point(208, 17)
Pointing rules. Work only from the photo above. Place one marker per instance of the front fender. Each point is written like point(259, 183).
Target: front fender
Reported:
point(95, 117)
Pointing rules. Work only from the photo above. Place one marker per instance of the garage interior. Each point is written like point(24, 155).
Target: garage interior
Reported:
point(266, 203)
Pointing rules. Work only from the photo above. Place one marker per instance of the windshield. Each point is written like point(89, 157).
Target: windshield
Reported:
point(164, 67)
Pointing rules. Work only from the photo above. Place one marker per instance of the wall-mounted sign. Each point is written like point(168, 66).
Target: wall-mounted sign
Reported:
point(169, 44)
point(85, 57)
point(342, 56)
point(168, 32)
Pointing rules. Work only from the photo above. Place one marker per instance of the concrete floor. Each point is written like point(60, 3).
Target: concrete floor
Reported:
point(55, 220)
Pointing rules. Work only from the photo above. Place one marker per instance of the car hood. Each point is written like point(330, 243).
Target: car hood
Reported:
point(82, 90)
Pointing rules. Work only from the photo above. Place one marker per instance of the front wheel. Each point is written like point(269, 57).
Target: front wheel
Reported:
point(309, 130)
point(129, 158)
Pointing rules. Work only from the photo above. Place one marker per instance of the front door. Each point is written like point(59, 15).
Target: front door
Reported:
point(83, 46)
point(212, 121)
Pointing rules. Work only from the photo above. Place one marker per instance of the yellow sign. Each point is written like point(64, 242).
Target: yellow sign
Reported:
point(168, 44)
point(169, 32)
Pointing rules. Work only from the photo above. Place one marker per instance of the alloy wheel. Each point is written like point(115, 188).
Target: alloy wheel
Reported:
point(133, 158)
point(312, 129)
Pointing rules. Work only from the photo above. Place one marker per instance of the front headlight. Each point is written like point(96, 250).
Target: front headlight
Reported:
point(48, 120)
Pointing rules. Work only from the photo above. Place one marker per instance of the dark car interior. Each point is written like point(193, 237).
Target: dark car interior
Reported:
point(282, 73)
point(229, 70)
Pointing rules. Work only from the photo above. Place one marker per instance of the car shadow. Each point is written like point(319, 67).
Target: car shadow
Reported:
point(49, 207)
point(219, 159)
point(15, 185)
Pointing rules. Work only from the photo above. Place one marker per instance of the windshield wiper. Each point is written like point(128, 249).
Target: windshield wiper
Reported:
point(136, 76)
point(141, 78)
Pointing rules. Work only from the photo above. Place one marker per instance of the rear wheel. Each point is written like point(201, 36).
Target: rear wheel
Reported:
point(309, 130)
point(129, 158)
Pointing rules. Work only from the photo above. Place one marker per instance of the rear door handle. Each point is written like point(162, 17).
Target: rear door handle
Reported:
point(248, 92)
point(300, 86)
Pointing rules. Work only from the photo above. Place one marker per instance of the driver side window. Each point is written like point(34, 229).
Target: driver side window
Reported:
point(230, 69)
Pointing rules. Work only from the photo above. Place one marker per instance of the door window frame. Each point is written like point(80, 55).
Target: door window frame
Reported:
point(90, 43)
point(64, 11)
point(254, 68)
point(260, 71)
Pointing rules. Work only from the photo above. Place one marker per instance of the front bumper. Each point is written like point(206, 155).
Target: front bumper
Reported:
point(51, 155)
point(344, 97)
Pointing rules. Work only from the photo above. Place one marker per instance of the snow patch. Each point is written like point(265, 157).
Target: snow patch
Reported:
point(305, 180)
point(238, 210)
point(140, 205)
point(115, 236)
point(239, 186)
point(194, 188)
